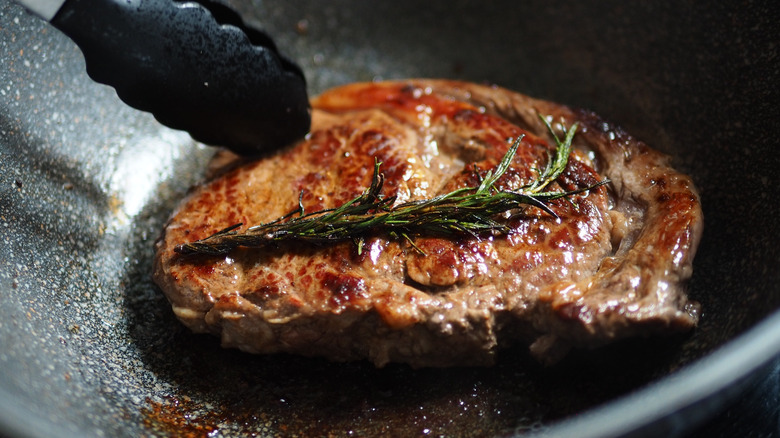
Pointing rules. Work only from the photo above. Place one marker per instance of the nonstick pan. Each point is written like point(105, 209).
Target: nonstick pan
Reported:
point(89, 347)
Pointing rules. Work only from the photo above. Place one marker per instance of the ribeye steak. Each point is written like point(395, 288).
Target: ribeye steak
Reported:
point(613, 264)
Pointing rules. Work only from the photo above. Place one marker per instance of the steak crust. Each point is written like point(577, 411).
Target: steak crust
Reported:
point(613, 265)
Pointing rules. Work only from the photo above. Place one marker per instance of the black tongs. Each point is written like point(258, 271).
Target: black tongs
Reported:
point(194, 65)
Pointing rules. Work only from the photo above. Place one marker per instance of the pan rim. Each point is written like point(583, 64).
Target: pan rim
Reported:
point(717, 376)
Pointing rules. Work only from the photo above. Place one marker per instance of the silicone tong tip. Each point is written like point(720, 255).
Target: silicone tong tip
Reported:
point(195, 67)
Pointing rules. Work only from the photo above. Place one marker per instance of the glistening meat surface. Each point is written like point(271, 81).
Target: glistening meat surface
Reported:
point(612, 265)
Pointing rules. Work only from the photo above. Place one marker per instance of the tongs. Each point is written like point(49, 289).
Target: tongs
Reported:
point(194, 66)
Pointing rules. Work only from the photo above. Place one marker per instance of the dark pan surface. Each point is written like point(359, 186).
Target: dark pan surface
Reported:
point(88, 346)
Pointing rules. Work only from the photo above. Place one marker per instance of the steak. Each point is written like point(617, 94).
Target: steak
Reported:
point(613, 264)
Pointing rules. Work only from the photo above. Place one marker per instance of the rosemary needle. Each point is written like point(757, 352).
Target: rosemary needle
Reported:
point(465, 211)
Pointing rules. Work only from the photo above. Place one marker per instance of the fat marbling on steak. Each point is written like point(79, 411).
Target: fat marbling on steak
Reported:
point(613, 264)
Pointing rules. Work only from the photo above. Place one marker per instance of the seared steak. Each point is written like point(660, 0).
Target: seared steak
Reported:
point(613, 264)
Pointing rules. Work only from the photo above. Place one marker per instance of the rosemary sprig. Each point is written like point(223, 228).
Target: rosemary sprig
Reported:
point(466, 211)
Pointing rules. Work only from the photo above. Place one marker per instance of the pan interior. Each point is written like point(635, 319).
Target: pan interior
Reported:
point(89, 344)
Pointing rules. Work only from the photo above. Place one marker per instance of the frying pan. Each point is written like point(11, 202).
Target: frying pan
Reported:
point(89, 347)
